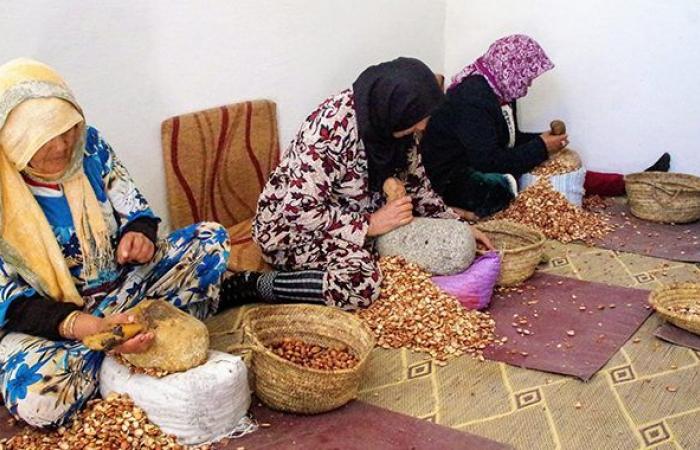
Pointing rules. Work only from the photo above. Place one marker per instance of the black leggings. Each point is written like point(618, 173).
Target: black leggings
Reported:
point(483, 194)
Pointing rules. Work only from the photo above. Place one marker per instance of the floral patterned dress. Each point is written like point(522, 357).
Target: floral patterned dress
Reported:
point(45, 382)
point(314, 211)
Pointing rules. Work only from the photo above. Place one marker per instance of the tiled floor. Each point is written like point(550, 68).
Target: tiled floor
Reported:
point(627, 405)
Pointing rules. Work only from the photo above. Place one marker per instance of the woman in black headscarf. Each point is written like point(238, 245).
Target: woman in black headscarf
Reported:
point(324, 203)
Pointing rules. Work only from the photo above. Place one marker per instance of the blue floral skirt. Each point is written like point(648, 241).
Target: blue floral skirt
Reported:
point(45, 382)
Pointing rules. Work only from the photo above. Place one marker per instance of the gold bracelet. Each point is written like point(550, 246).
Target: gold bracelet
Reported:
point(62, 326)
point(67, 326)
point(71, 328)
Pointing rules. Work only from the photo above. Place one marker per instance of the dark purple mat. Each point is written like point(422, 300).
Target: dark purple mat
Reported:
point(575, 326)
point(6, 430)
point(356, 426)
point(671, 333)
point(675, 242)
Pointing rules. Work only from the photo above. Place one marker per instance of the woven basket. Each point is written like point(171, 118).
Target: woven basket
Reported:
point(285, 386)
point(664, 197)
point(679, 295)
point(521, 249)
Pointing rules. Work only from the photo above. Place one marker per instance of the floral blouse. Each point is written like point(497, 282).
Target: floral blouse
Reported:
point(320, 189)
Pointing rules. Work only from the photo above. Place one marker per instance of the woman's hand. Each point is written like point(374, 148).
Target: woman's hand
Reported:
point(87, 325)
point(464, 214)
point(482, 239)
point(391, 216)
point(135, 248)
point(554, 143)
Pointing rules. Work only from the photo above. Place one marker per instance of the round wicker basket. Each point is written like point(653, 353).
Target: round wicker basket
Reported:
point(664, 197)
point(286, 386)
point(666, 300)
point(521, 249)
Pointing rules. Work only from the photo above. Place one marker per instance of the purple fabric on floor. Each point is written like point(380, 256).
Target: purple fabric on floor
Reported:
point(473, 287)
point(671, 333)
point(675, 242)
point(356, 426)
point(574, 326)
point(6, 430)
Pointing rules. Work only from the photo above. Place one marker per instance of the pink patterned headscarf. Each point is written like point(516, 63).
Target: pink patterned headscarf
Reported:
point(509, 66)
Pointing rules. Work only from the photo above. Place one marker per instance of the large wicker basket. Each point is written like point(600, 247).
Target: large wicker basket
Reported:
point(664, 197)
point(286, 386)
point(521, 249)
point(678, 295)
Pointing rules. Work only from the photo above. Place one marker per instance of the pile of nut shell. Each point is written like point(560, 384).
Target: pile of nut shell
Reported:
point(554, 166)
point(150, 371)
point(413, 312)
point(314, 356)
point(111, 424)
point(541, 207)
point(596, 203)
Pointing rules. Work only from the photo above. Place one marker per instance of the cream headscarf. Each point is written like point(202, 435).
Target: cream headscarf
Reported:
point(35, 107)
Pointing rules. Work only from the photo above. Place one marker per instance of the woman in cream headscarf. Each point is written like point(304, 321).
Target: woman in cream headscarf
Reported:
point(77, 247)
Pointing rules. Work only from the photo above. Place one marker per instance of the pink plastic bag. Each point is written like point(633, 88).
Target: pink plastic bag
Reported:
point(473, 287)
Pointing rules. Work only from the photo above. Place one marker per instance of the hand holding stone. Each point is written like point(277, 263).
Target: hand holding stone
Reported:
point(558, 127)
point(393, 189)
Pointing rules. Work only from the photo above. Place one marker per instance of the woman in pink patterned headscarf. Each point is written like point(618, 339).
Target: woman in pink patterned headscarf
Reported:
point(472, 149)
point(509, 66)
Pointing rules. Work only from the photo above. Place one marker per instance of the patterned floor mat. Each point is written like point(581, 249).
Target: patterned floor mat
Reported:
point(647, 396)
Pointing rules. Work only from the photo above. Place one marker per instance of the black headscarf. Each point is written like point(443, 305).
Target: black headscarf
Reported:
point(390, 97)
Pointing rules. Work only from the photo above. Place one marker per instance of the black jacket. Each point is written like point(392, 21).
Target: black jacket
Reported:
point(468, 132)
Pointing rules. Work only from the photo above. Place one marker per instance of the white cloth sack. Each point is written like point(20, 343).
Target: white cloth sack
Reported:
point(570, 184)
point(202, 405)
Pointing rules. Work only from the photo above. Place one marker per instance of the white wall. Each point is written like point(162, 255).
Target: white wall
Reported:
point(133, 63)
point(626, 80)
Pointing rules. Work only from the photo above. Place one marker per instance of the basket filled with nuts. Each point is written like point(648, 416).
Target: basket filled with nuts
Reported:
point(306, 359)
point(664, 197)
point(521, 249)
point(679, 304)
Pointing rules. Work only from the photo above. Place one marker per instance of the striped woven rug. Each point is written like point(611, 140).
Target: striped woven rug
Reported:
point(216, 164)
